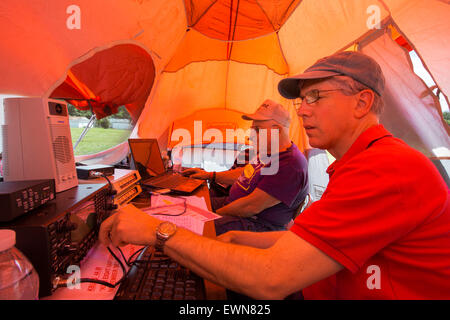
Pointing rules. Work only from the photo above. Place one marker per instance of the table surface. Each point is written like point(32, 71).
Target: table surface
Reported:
point(213, 291)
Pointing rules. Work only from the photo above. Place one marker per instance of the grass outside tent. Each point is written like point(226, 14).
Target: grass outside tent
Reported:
point(98, 139)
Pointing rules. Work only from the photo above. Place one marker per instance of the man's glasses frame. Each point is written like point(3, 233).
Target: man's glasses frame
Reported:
point(311, 96)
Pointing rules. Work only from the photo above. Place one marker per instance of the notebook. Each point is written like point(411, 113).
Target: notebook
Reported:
point(146, 158)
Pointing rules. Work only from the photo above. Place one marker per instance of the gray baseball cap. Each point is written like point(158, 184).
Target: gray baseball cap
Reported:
point(270, 110)
point(356, 65)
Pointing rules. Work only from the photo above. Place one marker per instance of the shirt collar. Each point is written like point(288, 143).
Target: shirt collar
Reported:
point(364, 141)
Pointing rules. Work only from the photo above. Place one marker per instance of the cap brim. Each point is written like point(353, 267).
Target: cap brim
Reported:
point(254, 117)
point(290, 87)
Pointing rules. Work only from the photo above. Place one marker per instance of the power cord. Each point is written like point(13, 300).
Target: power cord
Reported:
point(64, 282)
point(124, 274)
point(128, 262)
point(101, 174)
point(112, 191)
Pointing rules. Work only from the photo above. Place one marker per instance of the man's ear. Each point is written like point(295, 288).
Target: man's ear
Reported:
point(364, 104)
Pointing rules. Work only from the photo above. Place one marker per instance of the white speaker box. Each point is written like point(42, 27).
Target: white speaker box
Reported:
point(37, 143)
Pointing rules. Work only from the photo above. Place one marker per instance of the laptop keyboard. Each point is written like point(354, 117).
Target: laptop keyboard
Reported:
point(155, 276)
point(174, 181)
point(170, 180)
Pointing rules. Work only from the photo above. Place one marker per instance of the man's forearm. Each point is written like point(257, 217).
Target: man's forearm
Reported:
point(260, 240)
point(236, 267)
point(238, 208)
point(250, 205)
point(228, 177)
point(288, 265)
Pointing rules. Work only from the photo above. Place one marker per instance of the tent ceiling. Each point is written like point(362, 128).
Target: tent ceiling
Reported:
point(195, 47)
point(232, 20)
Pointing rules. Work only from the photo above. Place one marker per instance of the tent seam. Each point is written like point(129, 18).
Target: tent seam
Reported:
point(204, 12)
point(258, 64)
point(282, 53)
point(265, 14)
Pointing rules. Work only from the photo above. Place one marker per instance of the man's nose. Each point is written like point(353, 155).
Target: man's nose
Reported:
point(304, 109)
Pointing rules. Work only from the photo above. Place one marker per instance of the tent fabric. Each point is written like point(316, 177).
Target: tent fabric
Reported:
point(212, 128)
point(197, 67)
point(238, 20)
point(235, 83)
point(412, 112)
point(196, 47)
point(425, 25)
point(110, 156)
point(121, 75)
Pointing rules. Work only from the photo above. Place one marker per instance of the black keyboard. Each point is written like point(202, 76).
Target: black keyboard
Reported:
point(155, 276)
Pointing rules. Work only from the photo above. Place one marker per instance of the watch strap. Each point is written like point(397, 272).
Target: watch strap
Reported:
point(159, 244)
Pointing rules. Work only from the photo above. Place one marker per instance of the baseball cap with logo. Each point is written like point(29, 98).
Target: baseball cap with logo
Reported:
point(270, 110)
point(356, 65)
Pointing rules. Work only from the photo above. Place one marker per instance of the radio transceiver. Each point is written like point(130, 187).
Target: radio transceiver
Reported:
point(60, 232)
point(20, 197)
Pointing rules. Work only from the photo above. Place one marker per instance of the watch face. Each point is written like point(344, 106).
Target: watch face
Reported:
point(167, 228)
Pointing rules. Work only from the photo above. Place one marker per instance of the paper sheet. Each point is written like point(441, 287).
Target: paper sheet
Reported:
point(171, 209)
point(160, 200)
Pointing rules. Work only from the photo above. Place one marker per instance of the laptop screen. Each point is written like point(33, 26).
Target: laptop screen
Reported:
point(146, 157)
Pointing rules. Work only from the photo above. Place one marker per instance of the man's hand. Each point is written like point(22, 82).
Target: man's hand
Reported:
point(128, 225)
point(197, 173)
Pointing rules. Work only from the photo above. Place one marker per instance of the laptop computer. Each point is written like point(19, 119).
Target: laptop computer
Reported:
point(146, 158)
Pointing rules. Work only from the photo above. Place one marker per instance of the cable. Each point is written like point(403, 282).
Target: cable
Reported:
point(112, 191)
point(64, 282)
point(128, 262)
point(168, 214)
point(132, 256)
point(123, 256)
point(121, 264)
point(101, 174)
point(109, 181)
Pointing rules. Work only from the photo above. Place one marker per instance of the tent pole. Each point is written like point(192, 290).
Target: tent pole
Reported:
point(85, 131)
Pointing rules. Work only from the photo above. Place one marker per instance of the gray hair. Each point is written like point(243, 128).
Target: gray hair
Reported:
point(349, 87)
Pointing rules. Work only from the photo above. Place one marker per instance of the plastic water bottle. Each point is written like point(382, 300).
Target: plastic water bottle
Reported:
point(18, 279)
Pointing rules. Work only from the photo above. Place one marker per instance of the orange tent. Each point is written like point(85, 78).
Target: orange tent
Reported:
point(211, 60)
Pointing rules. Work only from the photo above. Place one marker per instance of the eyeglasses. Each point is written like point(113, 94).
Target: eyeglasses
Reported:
point(312, 96)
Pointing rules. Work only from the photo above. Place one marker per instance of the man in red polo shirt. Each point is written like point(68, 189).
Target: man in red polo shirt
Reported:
point(384, 215)
point(380, 231)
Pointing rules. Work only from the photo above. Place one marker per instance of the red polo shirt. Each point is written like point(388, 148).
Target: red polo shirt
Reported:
point(385, 217)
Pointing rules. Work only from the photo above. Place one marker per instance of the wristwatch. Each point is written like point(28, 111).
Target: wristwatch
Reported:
point(164, 232)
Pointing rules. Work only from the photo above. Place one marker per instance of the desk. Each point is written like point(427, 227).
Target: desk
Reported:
point(213, 291)
point(99, 252)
